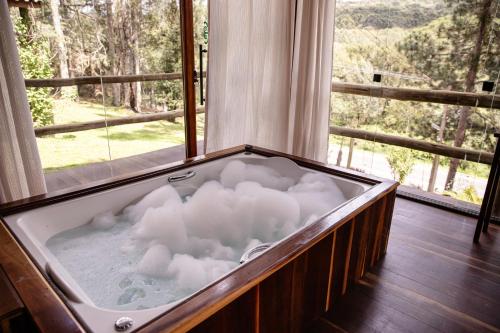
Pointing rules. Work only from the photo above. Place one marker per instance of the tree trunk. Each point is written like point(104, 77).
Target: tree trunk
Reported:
point(435, 162)
point(112, 52)
point(135, 14)
point(124, 31)
point(27, 21)
point(62, 53)
point(484, 21)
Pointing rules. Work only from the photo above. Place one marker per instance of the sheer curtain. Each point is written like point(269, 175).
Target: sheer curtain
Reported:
point(20, 167)
point(269, 75)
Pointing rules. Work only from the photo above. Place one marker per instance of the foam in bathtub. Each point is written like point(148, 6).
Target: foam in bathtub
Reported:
point(165, 247)
point(163, 223)
point(104, 220)
point(192, 274)
point(236, 172)
point(156, 198)
point(316, 194)
point(155, 261)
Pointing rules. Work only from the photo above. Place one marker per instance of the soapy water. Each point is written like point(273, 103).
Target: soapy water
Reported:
point(165, 247)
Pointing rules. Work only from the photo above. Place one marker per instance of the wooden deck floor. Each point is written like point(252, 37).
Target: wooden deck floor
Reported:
point(433, 279)
point(63, 179)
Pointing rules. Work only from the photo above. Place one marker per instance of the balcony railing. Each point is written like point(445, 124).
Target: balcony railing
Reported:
point(375, 91)
point(405, 94)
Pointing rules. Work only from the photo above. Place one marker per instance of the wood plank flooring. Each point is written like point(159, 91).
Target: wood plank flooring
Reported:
point(63, 179)
point(433, 279)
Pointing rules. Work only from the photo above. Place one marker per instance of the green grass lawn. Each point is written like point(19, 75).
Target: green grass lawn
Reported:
point(62, 151)
point(78, 148)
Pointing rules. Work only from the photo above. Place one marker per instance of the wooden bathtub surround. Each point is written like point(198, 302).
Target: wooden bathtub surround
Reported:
point(301, 290)
point(10, 304)
point(284, 290)
point(38, 299)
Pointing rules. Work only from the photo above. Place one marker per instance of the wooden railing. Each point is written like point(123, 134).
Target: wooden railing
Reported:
point(420, 145)
point(106, 79)
point(101, 123)
point(405, 94)
point(419, 95)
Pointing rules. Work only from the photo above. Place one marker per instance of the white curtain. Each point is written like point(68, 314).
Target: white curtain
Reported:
point(269, 75)
point(21, 173)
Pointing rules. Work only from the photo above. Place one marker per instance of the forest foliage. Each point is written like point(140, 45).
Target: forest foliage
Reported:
point(35, 58)
point(110, 37)
point(427, 44)
point(416, 44)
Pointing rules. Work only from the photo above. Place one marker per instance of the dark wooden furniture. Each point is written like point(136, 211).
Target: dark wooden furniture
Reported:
point(284, 290)
point(489, 194)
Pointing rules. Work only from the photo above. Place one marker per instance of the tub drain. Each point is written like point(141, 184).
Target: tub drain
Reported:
point(123, 324)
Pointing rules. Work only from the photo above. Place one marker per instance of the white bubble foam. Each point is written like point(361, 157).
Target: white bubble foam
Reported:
point(165, 225)
point(236, 172)
point(154, 199)
point(162, 249)
point(212, 212)
point(316, 194)
point(191, 274)
point(103, 221)
point(274, 213)
point(155, 261)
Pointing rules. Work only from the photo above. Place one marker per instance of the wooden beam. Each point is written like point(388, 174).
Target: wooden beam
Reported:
point(188, 79)
point(77, 81)
point(420, 145)
point(25, 3)
point(403, 94)
point(140, 118)
point(419, 95)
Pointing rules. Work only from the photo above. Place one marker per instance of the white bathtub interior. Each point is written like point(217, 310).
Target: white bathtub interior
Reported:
point(34, 228)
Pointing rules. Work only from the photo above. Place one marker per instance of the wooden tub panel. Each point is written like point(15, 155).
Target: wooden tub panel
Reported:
point(240, 316)
point(307, 287)
point(341, 253)
point(296, 294)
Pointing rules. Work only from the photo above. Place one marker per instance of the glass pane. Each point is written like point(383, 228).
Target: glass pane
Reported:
point(154, 48)
point(420, 45)
point(200, 21)
point(107, 123)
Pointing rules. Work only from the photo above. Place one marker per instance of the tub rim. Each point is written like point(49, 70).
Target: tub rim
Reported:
point(380, 187)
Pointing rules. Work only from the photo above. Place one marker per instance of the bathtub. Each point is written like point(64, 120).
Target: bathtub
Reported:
point(36, 222)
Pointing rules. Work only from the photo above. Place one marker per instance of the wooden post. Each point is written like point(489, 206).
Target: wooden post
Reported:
point(187, 45)
point(339, 156)
point(351, 150)
point(435, 162)
point(496, 204)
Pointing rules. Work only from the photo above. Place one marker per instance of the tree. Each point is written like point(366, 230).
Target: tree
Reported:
point(449, 50)
point(62, 53)
point(401, 161)
point(111, 51)
point(484, 18)
point(34, 56)
point(135, 19)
